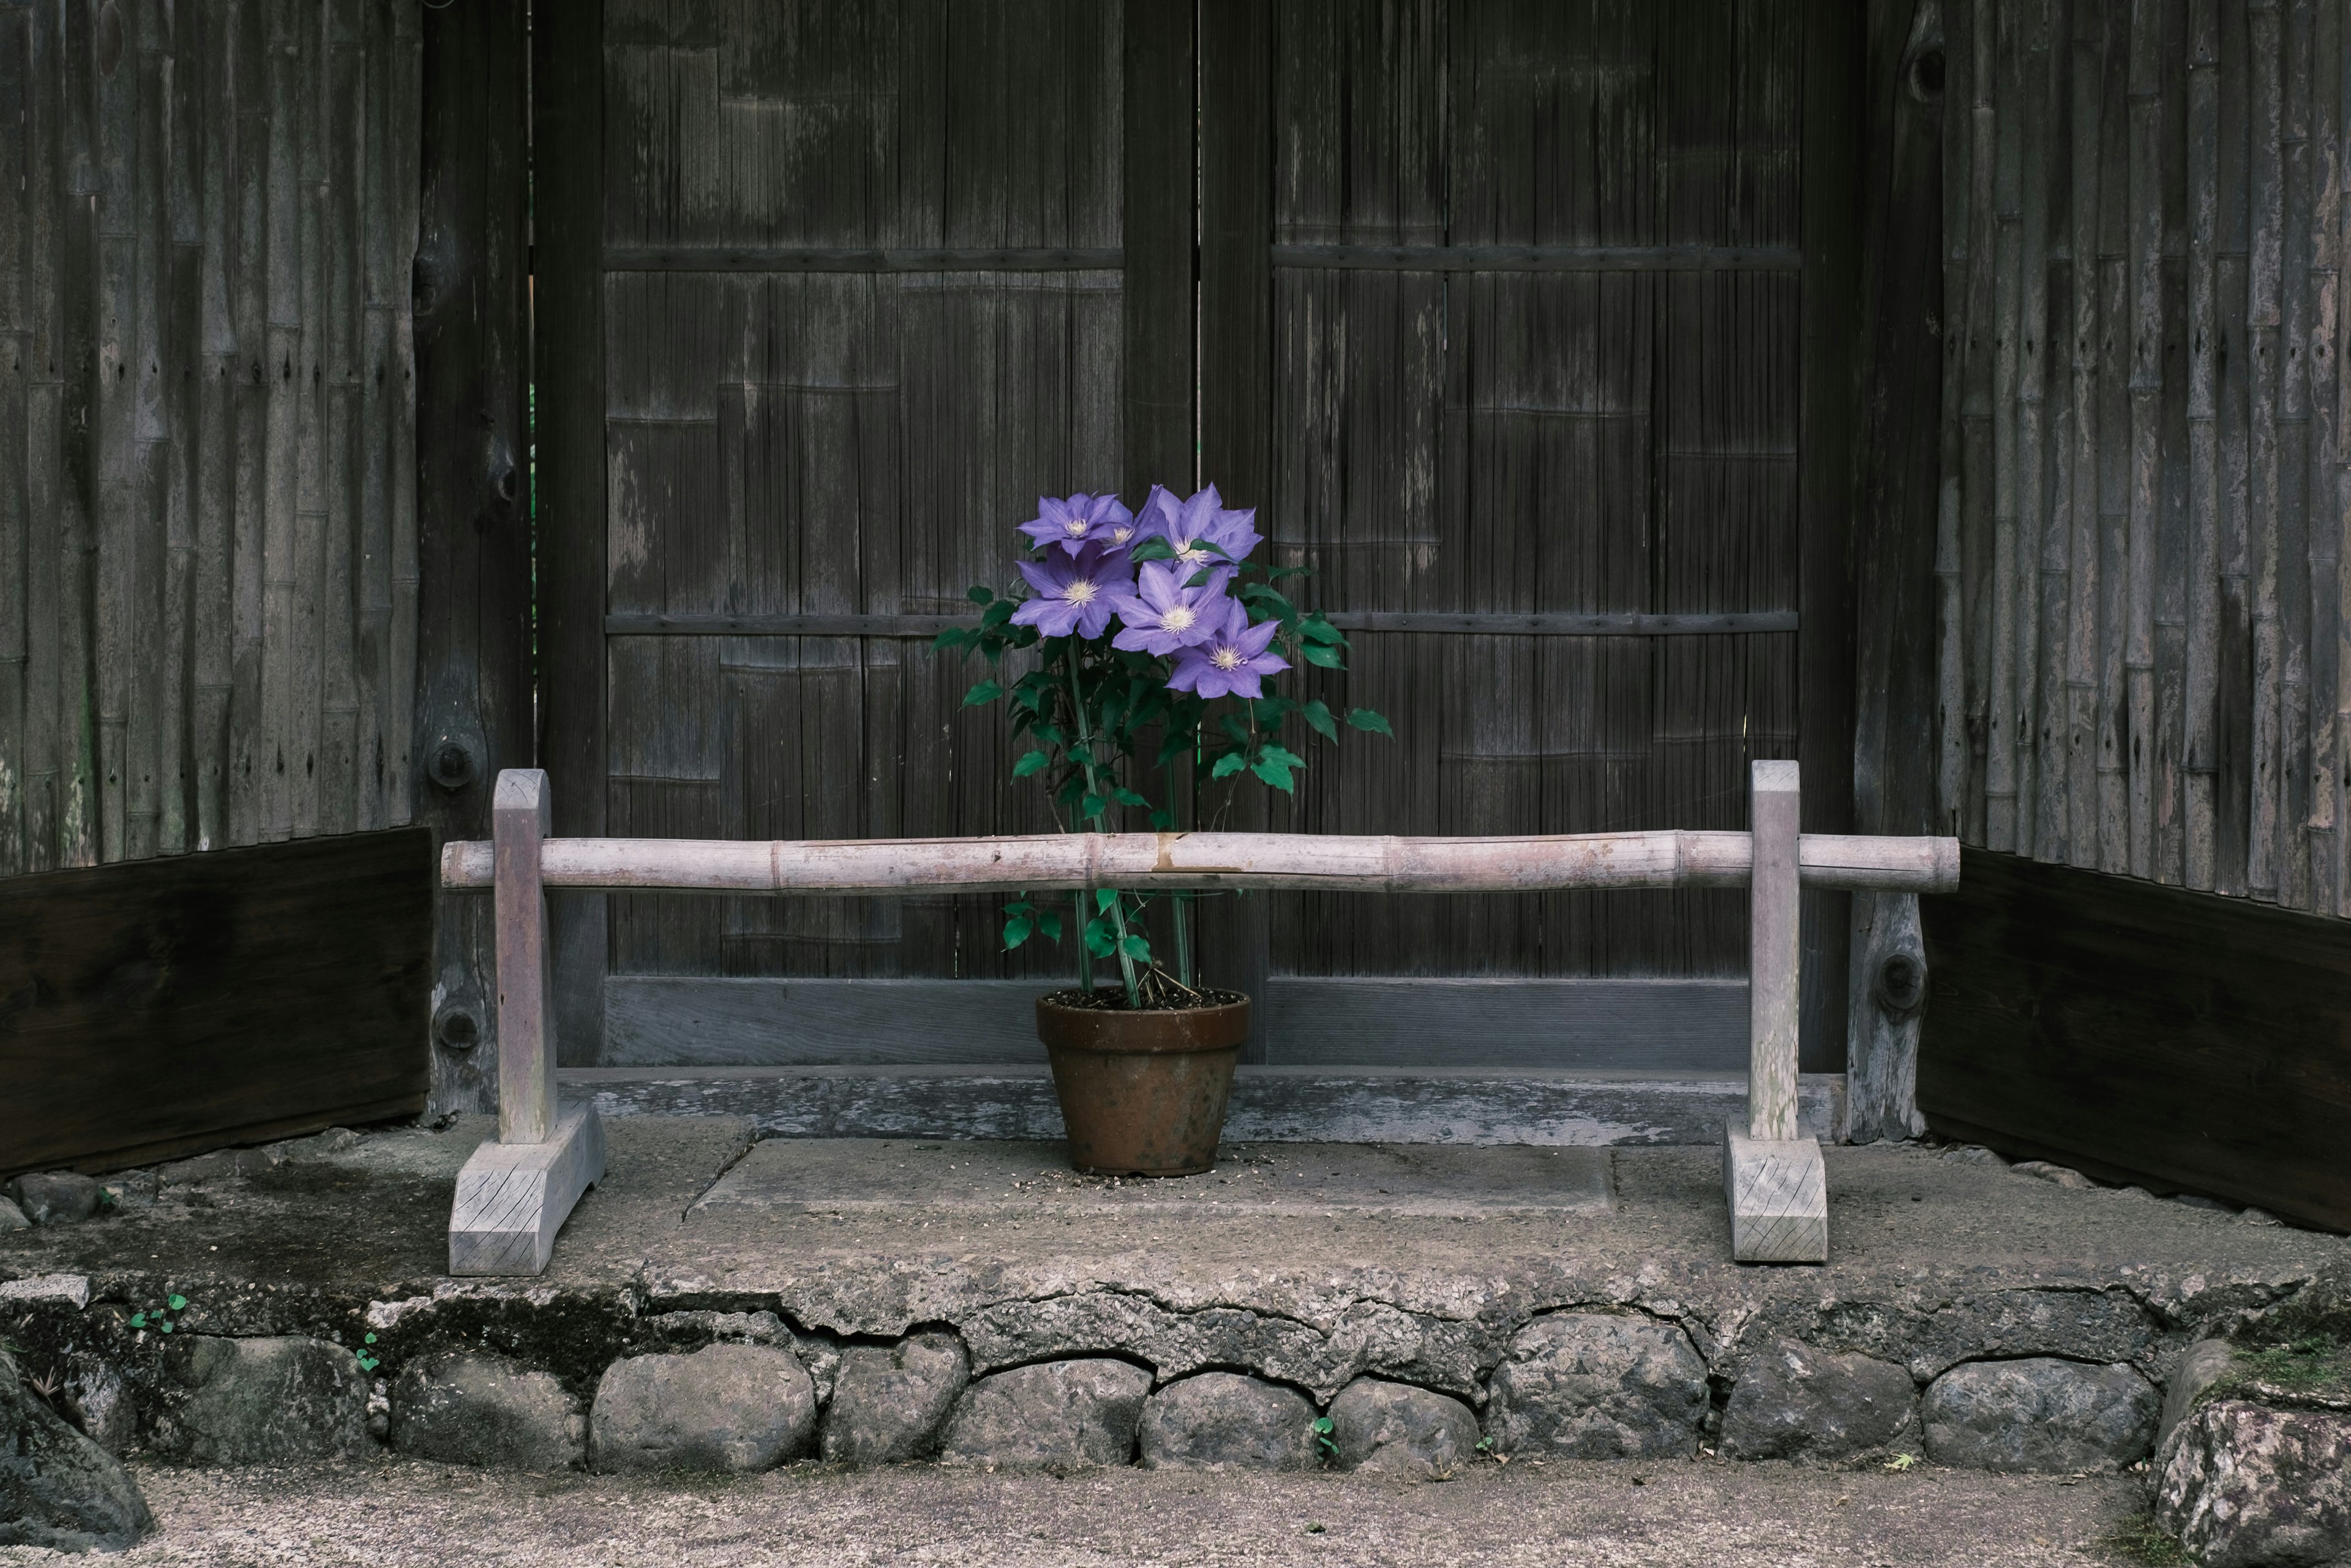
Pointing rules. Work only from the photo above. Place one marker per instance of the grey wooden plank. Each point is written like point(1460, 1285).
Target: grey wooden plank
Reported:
point(1269, 1105)
point(827, 258)
point(1541, 259)
point(641, 623)
point(1682, 1025)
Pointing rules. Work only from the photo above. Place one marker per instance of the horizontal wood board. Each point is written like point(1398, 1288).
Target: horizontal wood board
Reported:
point(1666, 1025)
point(1269, 1105)
point(175, 1005)
point(2141, 569)
point(208, 553)
point(2142, 1032)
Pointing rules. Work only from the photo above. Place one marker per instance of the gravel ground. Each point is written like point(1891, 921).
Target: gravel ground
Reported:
point(417, 1515)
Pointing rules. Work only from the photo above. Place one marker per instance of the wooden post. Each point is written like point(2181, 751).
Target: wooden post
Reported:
point(521, 815)
point(1773, 1178)
point(514, 1194)
point(1774, 984)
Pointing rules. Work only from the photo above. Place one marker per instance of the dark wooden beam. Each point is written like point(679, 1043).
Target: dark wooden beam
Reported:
point(2144, 1033)
point(166, 1007)
point(567, 126)
point(1824, 669)
point(473, 487)
point(1897, 474)
point(1237, 376)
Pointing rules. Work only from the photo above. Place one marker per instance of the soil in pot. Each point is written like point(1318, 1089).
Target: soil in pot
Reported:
point(1143, 1092)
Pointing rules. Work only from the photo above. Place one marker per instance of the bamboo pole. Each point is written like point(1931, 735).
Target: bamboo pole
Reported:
point(1045, 862)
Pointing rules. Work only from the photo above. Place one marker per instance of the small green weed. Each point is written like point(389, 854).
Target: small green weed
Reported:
point(1901, 1462)
point(2305, 1367)
point(369, 1359)
point(160, 1318)
point(2140, 1542)
point(1324, 1444)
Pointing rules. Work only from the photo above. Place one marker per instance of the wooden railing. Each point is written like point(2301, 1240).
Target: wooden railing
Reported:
point(514, 1194)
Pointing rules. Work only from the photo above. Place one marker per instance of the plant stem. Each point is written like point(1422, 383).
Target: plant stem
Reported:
point(1093, 787)
point(1085, 959)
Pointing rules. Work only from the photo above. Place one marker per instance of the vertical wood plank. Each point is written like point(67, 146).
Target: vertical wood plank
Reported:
point(2145, 267)
point(1237, 44)
point(474, 718)
point(568, 99)
point(2200, 762)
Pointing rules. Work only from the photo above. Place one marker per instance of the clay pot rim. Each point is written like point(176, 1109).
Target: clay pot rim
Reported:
point(1157, 1031)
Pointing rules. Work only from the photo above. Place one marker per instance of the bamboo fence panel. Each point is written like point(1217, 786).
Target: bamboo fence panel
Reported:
point(207, 542)
point(2140, 539)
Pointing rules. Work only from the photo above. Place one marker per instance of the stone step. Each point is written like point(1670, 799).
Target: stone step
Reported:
point(1033, 1179)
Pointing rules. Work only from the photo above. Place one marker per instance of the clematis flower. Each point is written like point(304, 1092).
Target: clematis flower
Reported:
point(1232, 660)
point(1163, 615)
point(1074, 592)
point(1079, 521)
point(1190, 526)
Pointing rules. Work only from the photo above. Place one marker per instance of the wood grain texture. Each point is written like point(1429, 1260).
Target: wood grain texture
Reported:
point(2150, 1032)
point(1269, 1105)
point(206, 280)
point(173, 1006)
point(1664, 1025)
point(2146, 514)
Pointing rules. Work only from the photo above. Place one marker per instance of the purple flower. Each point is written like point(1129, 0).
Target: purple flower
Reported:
point(1232, 660)
point(1163, 615)
point(1191, 526)
point(1079, 521)
point(1074, 592)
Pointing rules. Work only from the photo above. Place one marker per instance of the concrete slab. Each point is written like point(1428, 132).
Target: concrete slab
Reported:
point(1017, 1180)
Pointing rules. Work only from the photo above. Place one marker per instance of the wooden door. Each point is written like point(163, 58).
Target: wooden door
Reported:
point(1499, 320)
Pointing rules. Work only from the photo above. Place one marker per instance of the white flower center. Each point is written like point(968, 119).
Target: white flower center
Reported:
point(1081, 592)
point(1119, 535)
point(1193, 555)
point(1076, 527)
point(1226, 657)
point(1177, 618)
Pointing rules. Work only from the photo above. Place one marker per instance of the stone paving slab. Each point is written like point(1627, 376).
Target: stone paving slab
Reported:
point(393, 1512)
point(1033, 1179)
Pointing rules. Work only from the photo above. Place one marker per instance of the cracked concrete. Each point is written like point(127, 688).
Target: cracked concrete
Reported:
point(1933, 1261)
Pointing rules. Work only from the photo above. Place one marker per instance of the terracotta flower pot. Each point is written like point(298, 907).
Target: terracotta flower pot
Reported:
point(1144, 1094)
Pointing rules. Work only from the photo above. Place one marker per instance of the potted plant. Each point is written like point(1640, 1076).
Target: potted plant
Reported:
point(1134, 658)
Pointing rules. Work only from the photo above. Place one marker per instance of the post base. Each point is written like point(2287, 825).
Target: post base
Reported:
point(513, 1198)
point(1779, 1195)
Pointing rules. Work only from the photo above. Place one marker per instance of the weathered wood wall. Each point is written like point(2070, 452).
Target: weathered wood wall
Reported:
point(2144, 485)
point(208, 550)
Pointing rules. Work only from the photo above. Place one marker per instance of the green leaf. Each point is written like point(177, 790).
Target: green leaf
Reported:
point(999, 614)
point(1126, 797)
point(1017, 930)
point(1318, 715)
point(952, 637)
point(1093, 806)
point(1105, 897)
point(1050, 923)
point(370, 1339)
point(167, 1325)
point(1136, 948)
point(1328, 657)
point(1163, 821)
point(1276, 573)
point(1100, 939)
point(1152, 549)
point(984, 691)
point(1235, 729)
point(980, 594)
point(1283, 755)
point(1364, 718)
point(176, 1302)
point(1231, 763)
point(1317, 630)
point(1273, 773)
point(138, 1320)
point(1030, 762)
